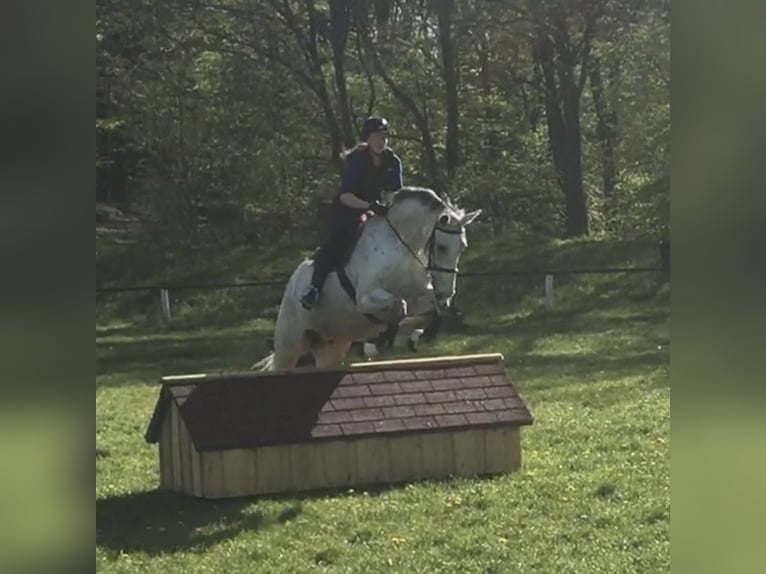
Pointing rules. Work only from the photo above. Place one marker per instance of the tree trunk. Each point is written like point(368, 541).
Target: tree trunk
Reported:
point(492, 137)
point(576, 204)
point(606, 126)
point(339, 28)
point(445, 11)
point(562, 91)
point(311, 54)
point(111, 160)
point(543, 53)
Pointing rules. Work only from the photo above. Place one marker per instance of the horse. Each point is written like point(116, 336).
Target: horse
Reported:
point(417, 329)
point(401, 265)
point(424, 327)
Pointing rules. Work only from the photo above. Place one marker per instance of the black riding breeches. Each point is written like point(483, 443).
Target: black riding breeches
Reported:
point(342, 233)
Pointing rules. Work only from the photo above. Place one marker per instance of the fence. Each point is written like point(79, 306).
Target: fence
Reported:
point(548, 275)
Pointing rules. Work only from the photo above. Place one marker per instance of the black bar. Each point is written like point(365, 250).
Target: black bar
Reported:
point(280, 282)
point(272, 283)
point(561, 272)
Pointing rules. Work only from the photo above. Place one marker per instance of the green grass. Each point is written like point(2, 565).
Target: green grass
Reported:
point(592, 496)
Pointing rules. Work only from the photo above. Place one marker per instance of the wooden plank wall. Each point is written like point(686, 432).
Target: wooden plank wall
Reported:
point(238, 466)
point(179, 460)
point(438, 455)
point(372, 460)
point(503, 449)
point(340, 463)
point(347, 463)
point(212, 474)
point(406, 458)
point(468, 448)
point(165, 456)
point(184, 446)
point(273, 469)
point(175, 448)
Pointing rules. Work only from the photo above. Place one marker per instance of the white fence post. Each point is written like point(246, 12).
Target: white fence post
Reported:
point(165, 301)
point(549, 292)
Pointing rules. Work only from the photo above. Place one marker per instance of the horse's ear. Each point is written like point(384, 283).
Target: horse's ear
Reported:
point(469, 217)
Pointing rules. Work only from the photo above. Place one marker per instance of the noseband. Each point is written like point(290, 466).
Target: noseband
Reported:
point(430, 246)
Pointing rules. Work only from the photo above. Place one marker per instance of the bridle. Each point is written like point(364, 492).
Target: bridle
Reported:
point(431, 248)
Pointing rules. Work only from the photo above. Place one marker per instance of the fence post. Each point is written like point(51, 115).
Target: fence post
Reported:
point(165, 301)
point(549, 292)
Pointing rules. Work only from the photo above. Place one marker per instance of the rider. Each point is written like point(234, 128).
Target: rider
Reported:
point(371, 168)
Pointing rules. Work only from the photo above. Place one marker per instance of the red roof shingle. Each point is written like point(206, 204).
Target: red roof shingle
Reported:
point(260, 409)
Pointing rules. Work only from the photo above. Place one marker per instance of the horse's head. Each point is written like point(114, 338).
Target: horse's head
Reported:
point(444, 250)
point(423, 220)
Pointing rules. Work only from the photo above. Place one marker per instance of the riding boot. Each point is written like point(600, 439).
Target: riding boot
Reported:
point(318, 277)
point(326, 259)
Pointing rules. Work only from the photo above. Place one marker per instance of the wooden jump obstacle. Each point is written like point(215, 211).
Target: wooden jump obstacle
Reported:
point(365, 424)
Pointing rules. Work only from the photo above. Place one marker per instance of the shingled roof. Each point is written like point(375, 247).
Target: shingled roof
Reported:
point(261, 409)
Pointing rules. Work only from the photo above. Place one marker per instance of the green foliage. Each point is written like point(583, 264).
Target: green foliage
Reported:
point(221, 114)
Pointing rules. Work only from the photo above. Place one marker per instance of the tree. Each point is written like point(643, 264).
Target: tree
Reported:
point(445, 10)
point(245, 105)
point(563, 62)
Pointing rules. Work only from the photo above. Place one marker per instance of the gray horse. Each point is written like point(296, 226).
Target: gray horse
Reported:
point(403, 264)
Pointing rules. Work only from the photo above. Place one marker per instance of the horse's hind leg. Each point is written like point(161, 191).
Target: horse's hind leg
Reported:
point(331, 354)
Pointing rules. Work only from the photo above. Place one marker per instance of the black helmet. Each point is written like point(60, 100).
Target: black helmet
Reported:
point(372, 125)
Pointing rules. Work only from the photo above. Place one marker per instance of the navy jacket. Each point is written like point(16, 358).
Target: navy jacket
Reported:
point(367, 182)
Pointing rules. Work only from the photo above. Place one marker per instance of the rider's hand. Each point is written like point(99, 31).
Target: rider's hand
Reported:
point(378, 208)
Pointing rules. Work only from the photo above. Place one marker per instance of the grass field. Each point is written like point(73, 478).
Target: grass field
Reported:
point(592, 496)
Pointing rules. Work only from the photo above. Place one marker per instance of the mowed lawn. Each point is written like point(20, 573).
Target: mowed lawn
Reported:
point(593, 494)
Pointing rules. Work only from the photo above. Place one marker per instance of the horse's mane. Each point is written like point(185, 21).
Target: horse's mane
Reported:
point(428, 198)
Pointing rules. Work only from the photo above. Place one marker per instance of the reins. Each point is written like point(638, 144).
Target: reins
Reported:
point(431, 245)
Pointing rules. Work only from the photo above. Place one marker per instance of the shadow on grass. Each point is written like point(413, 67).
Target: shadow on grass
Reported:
point(158, 522)
point(544, 324)
point(180, 354)
point(191, 310)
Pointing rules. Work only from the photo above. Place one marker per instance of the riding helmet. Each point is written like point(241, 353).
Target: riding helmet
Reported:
point(373, 124)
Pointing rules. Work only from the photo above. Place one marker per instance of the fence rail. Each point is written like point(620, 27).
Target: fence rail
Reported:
point(194, 286)
point(548, 274)
point(280, 281)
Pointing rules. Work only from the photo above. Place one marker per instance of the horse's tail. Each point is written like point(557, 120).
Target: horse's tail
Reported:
point(265, 364)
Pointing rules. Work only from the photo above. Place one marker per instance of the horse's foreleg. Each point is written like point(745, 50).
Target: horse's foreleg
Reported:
point(331, 354)
point(379, 300)
point(422, 304)
point(287, 358)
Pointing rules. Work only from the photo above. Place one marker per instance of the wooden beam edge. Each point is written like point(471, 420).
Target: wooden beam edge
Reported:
point(424, 362)
point(429, 361)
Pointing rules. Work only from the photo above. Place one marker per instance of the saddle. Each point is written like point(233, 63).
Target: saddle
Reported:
point(340, 267)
